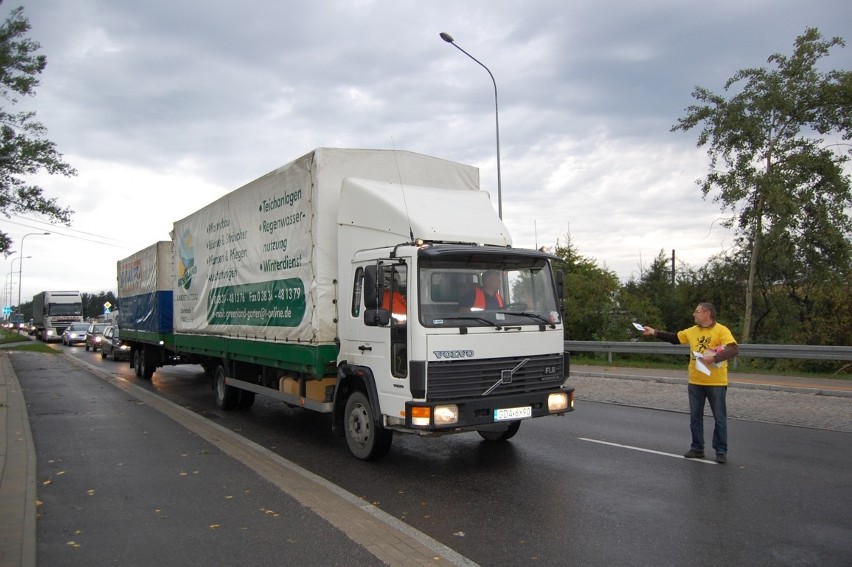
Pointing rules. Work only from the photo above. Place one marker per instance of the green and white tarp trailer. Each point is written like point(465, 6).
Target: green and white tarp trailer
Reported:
point(256, 270)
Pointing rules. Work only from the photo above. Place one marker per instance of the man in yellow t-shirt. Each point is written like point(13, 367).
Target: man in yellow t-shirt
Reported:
point(711, 345)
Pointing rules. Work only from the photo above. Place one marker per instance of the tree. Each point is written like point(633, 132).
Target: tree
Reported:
point(591, 313)
point(24, 150)
point(94, 304)
point(776, 160)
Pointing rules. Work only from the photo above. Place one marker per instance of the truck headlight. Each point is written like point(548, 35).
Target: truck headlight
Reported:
point(557, 402)
point(446, 415)
point(423, 416)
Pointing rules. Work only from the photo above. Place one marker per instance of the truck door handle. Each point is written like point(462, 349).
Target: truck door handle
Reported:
point(364, 348)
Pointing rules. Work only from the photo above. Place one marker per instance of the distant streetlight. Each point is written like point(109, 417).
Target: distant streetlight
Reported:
point(20, 259)
point(449, 39)
point(6, 291)
point(21, 265)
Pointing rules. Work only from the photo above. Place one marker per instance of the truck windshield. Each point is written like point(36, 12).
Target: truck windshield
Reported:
point(65, 309)
point(464, 290)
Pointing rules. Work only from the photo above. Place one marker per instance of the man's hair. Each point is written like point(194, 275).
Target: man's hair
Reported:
point(709, 307)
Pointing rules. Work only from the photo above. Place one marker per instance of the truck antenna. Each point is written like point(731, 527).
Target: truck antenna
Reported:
point(401, 186)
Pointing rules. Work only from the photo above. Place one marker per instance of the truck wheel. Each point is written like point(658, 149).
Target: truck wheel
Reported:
point(367, 440)
point(246, 400)
point(226, 396)
point(103, 354)
point(146, 367)
point(137, 363)
point(501, 435)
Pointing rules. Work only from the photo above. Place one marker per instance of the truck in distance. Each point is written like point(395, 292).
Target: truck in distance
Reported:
point(53, 311)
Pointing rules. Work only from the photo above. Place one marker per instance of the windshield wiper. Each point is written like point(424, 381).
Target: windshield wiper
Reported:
point(531, 316)
point(480, 319)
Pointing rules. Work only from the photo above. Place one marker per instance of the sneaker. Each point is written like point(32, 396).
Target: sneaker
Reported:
point(693, 454)
point(721, 458)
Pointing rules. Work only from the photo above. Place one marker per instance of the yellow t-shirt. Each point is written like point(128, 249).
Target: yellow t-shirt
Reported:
point(701, 340)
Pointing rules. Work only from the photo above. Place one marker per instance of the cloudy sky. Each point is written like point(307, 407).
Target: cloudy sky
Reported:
point(165, 105)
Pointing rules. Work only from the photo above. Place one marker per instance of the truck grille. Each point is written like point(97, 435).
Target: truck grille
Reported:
point(458, 378)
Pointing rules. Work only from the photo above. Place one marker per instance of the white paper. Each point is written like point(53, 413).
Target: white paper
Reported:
point(639, 326)
point(699, 363)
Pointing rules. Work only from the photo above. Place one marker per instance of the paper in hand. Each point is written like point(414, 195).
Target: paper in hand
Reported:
point(699, 363)
point(639, 327)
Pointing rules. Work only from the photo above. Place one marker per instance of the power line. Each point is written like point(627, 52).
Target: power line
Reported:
point(54, 229)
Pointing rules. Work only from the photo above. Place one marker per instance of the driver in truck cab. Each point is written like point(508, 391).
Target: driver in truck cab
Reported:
point(393, 299)
point(485, 297)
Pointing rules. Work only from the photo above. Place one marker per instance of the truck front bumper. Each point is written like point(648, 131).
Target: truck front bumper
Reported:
point(476, 413)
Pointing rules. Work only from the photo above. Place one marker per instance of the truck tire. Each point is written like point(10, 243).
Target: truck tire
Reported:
point(226, 396)
point(366, 440)
point(501, 435)
point(103, 354)
point(137, 363)
point(146, 371)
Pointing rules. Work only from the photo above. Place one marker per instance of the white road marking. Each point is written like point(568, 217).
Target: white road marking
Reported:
point(705, 461)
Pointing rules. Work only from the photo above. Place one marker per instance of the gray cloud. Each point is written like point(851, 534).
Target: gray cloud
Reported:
point(163, 106)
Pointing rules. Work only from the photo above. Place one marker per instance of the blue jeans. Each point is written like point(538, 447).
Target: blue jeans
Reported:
point(715, 395)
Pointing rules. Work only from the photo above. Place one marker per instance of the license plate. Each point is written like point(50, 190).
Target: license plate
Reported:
point(511, 414)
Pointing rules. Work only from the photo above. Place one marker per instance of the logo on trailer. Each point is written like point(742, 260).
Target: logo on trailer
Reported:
point(186, 260)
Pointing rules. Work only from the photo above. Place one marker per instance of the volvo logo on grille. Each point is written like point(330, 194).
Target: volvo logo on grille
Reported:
point(505, 377)
point(439, 354)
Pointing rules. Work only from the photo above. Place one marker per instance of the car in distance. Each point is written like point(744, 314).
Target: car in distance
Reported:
point(94, 335)
point(74, 334)
point(112, 346)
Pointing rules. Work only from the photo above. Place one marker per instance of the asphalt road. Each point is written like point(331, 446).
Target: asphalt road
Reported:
point(603, 486)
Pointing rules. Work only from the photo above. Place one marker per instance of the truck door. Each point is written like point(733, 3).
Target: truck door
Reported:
point(380, 294)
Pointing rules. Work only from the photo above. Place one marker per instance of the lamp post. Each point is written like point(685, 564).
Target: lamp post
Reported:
point(449, 39)
point(21, 265)
point(20, 259)
point(6, 290)
point(20, 312)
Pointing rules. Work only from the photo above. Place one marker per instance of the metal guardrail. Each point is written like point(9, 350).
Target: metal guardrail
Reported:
point(804, 352)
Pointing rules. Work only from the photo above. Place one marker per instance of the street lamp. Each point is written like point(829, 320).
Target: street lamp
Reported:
point(19, 258)
point(20, 311)
point(21, 265)
point(6, 290)
point(449, 39)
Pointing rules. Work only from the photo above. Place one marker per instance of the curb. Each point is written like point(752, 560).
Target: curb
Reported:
point(17, 473)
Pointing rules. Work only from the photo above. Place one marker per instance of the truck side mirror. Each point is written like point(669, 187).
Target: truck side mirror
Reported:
point(372, 287)
point(376, 317)
point(560, 285)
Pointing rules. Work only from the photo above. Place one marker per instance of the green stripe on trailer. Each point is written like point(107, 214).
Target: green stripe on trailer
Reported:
point(316, 360)
point(149, 337)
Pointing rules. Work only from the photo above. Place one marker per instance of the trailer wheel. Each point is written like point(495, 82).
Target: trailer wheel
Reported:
point(367, 440)
point(226, 396)
point(501, 435)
